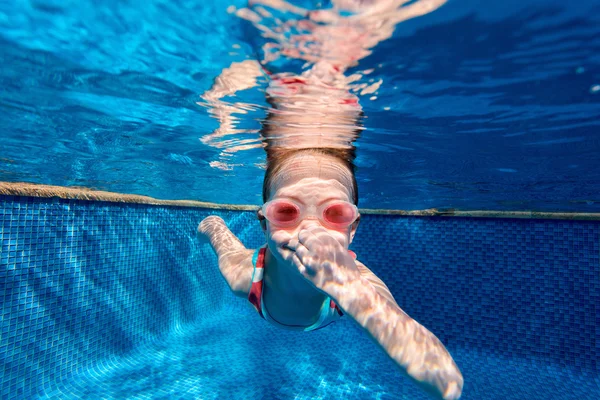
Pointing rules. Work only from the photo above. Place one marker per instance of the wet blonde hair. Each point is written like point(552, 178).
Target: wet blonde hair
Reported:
point(276, 159)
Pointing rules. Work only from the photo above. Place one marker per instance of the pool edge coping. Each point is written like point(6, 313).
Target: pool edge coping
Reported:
point(24, 189)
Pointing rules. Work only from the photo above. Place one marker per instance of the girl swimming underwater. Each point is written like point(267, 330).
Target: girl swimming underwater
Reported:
point(305, 277)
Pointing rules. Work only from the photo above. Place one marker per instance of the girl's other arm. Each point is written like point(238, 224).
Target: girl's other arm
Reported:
point(377, 283)
point(235, 260)
point(416, 350)
point(324, 261)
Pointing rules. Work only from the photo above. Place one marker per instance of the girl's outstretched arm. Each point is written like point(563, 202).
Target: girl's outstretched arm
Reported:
point(325, 262)
point(235, 260)
point(414, 348)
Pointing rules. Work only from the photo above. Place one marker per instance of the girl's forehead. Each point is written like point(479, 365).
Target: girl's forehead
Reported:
point(310, 170)
point(311, 166)
point(315, 189)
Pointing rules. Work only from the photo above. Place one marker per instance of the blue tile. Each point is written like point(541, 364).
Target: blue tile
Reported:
point(98, 297)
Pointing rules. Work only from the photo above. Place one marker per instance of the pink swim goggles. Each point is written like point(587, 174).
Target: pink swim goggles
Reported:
point(285, 213)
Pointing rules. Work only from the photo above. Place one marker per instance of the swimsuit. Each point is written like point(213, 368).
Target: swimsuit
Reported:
point(329, 312)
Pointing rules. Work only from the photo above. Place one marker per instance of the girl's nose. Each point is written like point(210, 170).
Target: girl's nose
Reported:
point(309, 221)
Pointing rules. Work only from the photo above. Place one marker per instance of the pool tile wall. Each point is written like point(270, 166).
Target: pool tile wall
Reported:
point(84, 281)
point(518, 287)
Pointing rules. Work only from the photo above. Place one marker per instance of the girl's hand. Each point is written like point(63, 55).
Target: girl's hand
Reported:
point(208, 227)
point(208, 224)
point(323, 260)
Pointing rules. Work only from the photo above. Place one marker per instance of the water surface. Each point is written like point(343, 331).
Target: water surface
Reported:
point(481, 106)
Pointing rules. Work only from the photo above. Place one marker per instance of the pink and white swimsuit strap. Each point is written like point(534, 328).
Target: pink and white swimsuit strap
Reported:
point(255, 295)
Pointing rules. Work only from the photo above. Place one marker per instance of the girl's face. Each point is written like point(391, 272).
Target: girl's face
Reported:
point(309, 184)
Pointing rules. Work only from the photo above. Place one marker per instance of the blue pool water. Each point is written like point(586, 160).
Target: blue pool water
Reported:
point(483, 105)
point(233, 355)
point(113, 301)
point(491, 104)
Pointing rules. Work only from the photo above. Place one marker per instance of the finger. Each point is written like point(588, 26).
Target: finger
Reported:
point(301, 268)
point(306, 236)
point(303, 254)
point(292, 244)
point(317, 237)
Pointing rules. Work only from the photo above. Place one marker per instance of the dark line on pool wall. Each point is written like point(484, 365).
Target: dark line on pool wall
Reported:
point(77, 193)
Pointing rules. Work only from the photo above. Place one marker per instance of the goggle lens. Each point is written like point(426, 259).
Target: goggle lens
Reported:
point(339, 214)
point(283, 213)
